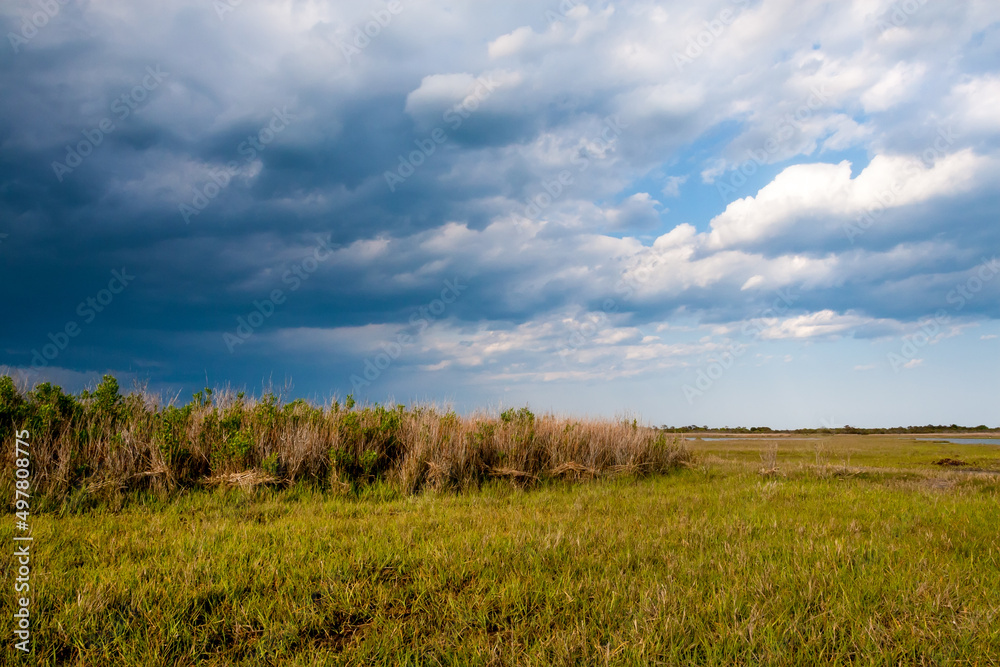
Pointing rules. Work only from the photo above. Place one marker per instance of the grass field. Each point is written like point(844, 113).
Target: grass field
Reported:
point(844, 550)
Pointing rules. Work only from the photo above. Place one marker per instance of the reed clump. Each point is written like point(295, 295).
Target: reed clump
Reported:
point(102, 442)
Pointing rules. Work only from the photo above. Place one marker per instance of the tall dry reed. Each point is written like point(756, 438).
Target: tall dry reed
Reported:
point(102, 443)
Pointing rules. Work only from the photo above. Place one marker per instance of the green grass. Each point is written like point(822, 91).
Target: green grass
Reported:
point(882, 453)
point(714, 564)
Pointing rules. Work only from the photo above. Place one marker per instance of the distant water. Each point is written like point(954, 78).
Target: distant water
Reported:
point(954, 441)
point(964, 441)
point(742, 439)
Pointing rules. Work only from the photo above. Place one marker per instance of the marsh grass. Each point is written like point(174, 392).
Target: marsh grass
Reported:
point(101, 446)
point(680, 569)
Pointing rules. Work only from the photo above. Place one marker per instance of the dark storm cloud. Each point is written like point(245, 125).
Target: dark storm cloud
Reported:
point(188, 183)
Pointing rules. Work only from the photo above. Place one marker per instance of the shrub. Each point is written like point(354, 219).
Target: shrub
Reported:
point(231, 440)
point(50, 410)
point(272, 465)
point(105, 402)
point(520, 416)
point(13, 408)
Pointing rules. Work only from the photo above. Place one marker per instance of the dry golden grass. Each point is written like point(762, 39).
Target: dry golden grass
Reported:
point(102, 444)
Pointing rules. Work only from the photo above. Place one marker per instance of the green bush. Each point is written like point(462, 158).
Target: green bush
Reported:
point(104, 403)
point(517, 416)
point(370, 442)
point(14, 409)
point(50, 410)
point(231, 439)
point(272, 465)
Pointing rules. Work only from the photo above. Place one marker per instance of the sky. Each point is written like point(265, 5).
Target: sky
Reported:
point(734, 212)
